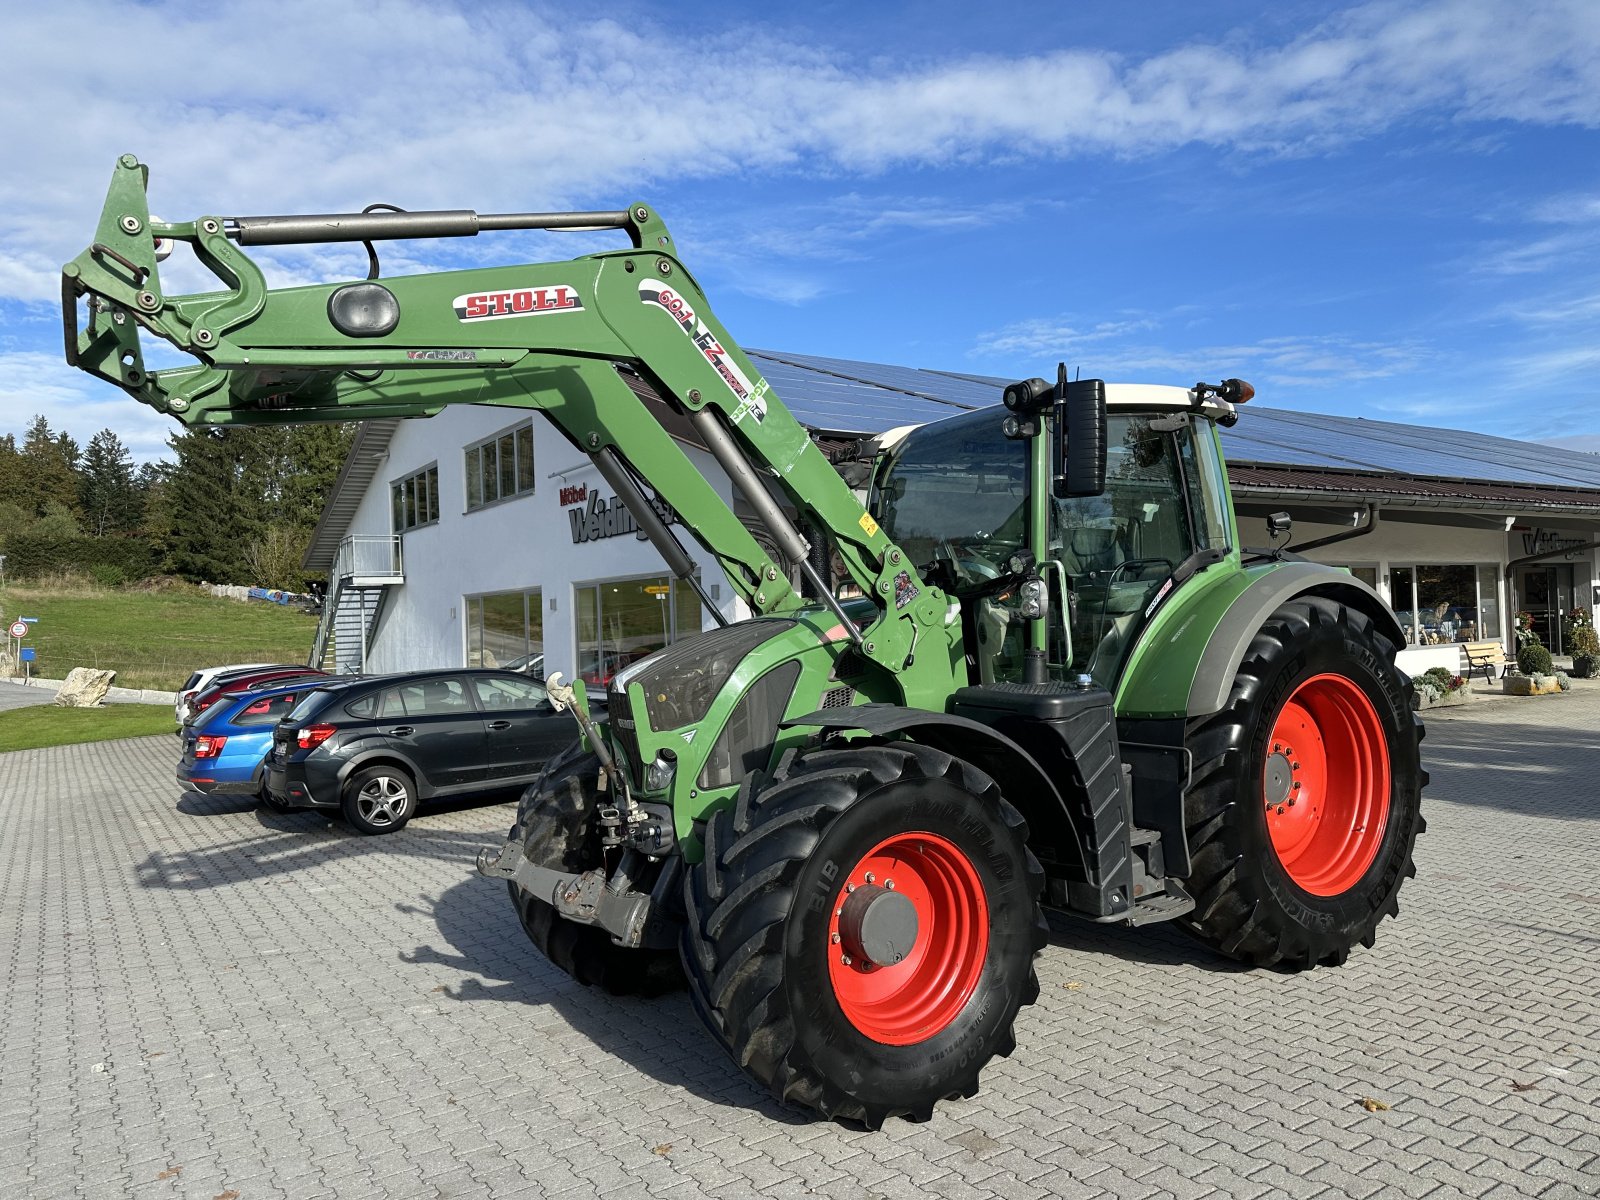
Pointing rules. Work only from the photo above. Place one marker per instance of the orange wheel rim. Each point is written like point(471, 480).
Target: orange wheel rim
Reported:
point(1326, 785)
point(907, 938)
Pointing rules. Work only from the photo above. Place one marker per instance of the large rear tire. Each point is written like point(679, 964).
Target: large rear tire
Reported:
point(1306, 803)
point(861, 932)
point(554, 825)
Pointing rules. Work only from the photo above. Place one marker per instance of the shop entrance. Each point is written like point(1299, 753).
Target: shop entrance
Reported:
point(1544, 592)
point(622, 620)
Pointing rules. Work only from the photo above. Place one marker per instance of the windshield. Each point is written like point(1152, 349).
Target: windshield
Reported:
point(955, 498)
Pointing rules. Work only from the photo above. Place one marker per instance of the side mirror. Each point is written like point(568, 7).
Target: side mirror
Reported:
point(1081, 430)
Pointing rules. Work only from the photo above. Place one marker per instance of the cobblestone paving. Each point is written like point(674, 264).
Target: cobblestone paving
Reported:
point(207, 1001)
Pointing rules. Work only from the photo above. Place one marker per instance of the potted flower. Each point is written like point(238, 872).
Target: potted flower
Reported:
point(1583, 643)
point(1535, 675)
point(1524, 631)
point(1437, 687)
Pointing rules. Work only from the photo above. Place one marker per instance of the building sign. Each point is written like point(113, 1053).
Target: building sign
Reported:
point(1549, 541)
point(601, 518)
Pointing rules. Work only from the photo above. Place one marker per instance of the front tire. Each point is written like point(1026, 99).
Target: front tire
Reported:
point(861, 932)
point(1306, 803)
point(555, 828)
point(379, 800)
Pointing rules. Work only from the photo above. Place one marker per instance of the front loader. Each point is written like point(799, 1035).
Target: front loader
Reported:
point(1060, 682)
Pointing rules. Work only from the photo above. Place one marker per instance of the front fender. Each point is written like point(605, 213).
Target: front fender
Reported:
point(1022, 780)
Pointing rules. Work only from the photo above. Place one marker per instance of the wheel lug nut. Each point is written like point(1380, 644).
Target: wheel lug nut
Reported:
point(844, 960)
point(889, 883)
point(871, 878)
point(849, 887)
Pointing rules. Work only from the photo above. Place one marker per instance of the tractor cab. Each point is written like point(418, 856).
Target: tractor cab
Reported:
point(959, 496)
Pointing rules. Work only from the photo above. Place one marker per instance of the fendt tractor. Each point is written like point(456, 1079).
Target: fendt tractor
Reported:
point(1034, 670)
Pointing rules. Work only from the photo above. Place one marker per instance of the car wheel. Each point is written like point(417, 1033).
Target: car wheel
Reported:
point(379, 800)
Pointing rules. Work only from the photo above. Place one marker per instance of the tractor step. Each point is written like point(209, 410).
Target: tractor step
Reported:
point(1163, 906)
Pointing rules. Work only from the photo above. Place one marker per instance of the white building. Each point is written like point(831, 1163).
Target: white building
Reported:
point(480, 536)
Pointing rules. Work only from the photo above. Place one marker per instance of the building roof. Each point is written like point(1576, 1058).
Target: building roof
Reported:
point(1272, 452)
point(367, 451)
point(843, 395)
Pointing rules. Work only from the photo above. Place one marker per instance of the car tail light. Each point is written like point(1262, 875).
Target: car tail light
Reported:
point(313, 736)
point(206, 746)
point(199, 706)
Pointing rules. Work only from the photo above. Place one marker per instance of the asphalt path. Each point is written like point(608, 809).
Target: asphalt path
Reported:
point(16, 695)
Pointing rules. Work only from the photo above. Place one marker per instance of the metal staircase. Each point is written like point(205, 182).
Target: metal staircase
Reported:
point(364, 570)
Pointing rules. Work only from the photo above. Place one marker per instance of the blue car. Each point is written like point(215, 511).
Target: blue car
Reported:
point(224, 749)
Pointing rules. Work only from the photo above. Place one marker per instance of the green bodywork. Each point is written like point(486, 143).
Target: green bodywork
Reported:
point(265, 356)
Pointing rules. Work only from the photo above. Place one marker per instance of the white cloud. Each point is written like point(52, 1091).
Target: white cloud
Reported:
point(1117, 350)
point(306, 106)
point(34, 384)
point(1588, 443)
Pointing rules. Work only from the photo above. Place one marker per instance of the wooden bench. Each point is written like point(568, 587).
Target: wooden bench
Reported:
point(1485, 657)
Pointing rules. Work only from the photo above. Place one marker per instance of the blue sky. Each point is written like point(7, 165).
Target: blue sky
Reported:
point(1383, 210)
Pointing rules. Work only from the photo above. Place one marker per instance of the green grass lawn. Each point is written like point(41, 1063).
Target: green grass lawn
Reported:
point(47, 725)
point(152, 639)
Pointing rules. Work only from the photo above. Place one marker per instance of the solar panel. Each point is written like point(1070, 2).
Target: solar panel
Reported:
point(863, 397)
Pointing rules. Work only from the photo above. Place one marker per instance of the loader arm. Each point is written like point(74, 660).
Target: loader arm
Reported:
point(615, 349)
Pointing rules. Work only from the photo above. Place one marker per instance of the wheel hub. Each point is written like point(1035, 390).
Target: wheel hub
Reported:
point(1278, 782)
point(878, 926)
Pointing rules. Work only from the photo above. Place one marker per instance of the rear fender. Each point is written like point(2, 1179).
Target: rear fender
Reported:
point(1225, 650)
point(1187, 657)
point(385, 756)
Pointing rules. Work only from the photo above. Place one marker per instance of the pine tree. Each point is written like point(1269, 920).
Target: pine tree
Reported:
point(12, 488)
point(48, 468)
point(106, 489)
point(205, 509)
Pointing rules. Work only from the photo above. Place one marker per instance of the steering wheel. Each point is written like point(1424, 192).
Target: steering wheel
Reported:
point(965, 563)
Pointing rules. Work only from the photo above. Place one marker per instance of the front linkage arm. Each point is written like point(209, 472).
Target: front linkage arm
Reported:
point(555, 337)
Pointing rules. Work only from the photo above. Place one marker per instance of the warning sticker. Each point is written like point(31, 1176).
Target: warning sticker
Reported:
point(869, 525)
point(904, 590)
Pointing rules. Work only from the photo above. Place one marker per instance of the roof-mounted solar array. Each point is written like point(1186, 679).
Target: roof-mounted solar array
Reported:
point(847, 396)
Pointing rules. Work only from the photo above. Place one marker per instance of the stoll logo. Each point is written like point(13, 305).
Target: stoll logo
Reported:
point(516, 302)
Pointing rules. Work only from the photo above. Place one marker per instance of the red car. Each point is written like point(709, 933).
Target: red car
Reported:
point(192, 704)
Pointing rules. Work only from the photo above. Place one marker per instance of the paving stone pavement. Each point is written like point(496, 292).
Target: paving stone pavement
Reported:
point(207, 1001)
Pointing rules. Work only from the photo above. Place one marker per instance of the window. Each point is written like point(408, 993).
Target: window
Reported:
point(425, 698)
point(266, 711)
point(621, 621)
point(502, 694)
point(506, 629)
point(415, 499)
point(500, 467)
point(1446, 602)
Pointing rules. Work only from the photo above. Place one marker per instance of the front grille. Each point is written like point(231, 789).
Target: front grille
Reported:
point(624, 736)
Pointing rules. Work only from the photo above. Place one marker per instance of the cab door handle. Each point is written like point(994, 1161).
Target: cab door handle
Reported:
point(499, 725)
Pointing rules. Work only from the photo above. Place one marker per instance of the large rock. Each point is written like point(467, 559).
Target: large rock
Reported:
point(85, 687)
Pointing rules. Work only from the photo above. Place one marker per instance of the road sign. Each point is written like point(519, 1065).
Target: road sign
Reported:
point(19, 629)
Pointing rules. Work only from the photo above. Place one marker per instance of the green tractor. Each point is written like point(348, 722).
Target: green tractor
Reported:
point(1045, 674)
